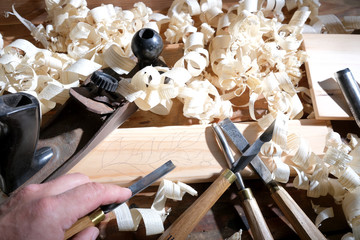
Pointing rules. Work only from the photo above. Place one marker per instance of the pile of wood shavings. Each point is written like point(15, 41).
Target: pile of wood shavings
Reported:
point(247, 47)
point(336, 174)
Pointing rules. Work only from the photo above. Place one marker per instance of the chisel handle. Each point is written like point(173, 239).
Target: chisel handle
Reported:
point(187, 221)
point(88, 221)
point(302, 224)
point(256, 220)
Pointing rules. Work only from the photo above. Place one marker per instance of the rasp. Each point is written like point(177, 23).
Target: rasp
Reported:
point(304, 227)
point(98, 215)
point(184, 224)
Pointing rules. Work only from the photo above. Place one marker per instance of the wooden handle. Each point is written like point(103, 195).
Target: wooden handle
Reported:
point(91, 220)
point(256, 220)
point(183, 226)
point(304, 227)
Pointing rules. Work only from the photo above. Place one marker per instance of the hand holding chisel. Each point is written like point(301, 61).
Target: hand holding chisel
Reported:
point(253, 213)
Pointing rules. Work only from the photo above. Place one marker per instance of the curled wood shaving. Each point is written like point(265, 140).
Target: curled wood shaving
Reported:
point(153, 218)
point(332, 174)
point(323, 214)
point(235, 236)
point(247, 47)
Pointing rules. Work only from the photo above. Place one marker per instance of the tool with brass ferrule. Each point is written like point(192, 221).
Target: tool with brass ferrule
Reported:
point(253, 213)
point(183, 225)
point(304, 227)
point(98, 215)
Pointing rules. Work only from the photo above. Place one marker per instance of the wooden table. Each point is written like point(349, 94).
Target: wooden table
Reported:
point(226, 216)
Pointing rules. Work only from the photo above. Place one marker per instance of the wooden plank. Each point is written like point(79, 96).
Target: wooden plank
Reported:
point(128, 153)
point(327, 55)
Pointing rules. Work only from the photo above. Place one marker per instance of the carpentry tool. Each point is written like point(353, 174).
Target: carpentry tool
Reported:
point(95, 109)
point(19, 133)
point(253, 213)
point(99, 214)
point(183, 225)
point(304, 227)
point(351, 91)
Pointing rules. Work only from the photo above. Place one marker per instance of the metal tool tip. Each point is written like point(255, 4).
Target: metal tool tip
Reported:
point(170, 164)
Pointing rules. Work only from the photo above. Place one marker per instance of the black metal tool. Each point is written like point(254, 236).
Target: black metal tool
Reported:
point(350, 89)
point(19, 134)
point(99, 214)
point(305, 228)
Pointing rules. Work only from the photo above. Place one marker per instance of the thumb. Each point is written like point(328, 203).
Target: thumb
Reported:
point(89, 233)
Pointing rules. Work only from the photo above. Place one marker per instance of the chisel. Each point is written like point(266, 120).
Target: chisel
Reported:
point(184, 224)
point(98, 215)
point(351, 90)
point(256, 220)
point(304, 227)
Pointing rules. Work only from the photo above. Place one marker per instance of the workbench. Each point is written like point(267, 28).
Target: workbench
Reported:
point(226, 217)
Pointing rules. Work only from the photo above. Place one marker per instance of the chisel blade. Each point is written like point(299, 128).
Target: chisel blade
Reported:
point(143, 183)
point(254, 149)
point(233, 133)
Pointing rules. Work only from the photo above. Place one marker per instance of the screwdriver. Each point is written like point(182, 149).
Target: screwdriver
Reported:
point(253, 213)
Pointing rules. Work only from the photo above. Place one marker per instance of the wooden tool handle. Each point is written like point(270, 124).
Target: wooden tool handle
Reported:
point(304, 227)
point(256, 220)
point(91, 220)
point(183, 226)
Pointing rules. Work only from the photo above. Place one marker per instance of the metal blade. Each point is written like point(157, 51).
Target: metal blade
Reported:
point(143, 183)
point(242, 144)
point(227, 153)
point(350, 89)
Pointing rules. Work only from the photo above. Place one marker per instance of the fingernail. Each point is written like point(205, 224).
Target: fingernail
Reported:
point(130, 192)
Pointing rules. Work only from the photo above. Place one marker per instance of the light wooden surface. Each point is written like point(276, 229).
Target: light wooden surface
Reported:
point(128, 153)
point(327, 55)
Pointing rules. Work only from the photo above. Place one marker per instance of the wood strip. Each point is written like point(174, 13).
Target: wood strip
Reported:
point(329, 53)
point(128, 153)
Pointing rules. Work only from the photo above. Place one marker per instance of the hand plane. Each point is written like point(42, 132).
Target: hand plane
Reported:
point(94, 109)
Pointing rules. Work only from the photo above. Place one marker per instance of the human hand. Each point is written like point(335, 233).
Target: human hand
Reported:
point(46, 211)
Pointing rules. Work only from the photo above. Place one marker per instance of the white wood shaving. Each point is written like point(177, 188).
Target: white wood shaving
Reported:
point(246, 46)
point(348, 236)
point(103, 35)
point(153, 218)
point(351, 208)
point(235, 236)
point(323, 214)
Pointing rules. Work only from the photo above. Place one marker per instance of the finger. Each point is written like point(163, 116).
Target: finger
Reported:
point(63, 184)
point(89, 233)
point(79, 201)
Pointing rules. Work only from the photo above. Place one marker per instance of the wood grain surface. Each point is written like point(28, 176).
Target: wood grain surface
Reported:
point(128, 153)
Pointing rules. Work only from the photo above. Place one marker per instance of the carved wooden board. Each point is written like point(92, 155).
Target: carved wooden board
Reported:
point(329, 53)
point(128, 153)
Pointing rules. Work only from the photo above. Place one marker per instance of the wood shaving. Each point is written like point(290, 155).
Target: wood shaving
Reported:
point(153, 218)
point(332, 174)
point(247, 47)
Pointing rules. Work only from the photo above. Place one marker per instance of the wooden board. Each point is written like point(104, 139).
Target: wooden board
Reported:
point(128, 153)
point(327, 55)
